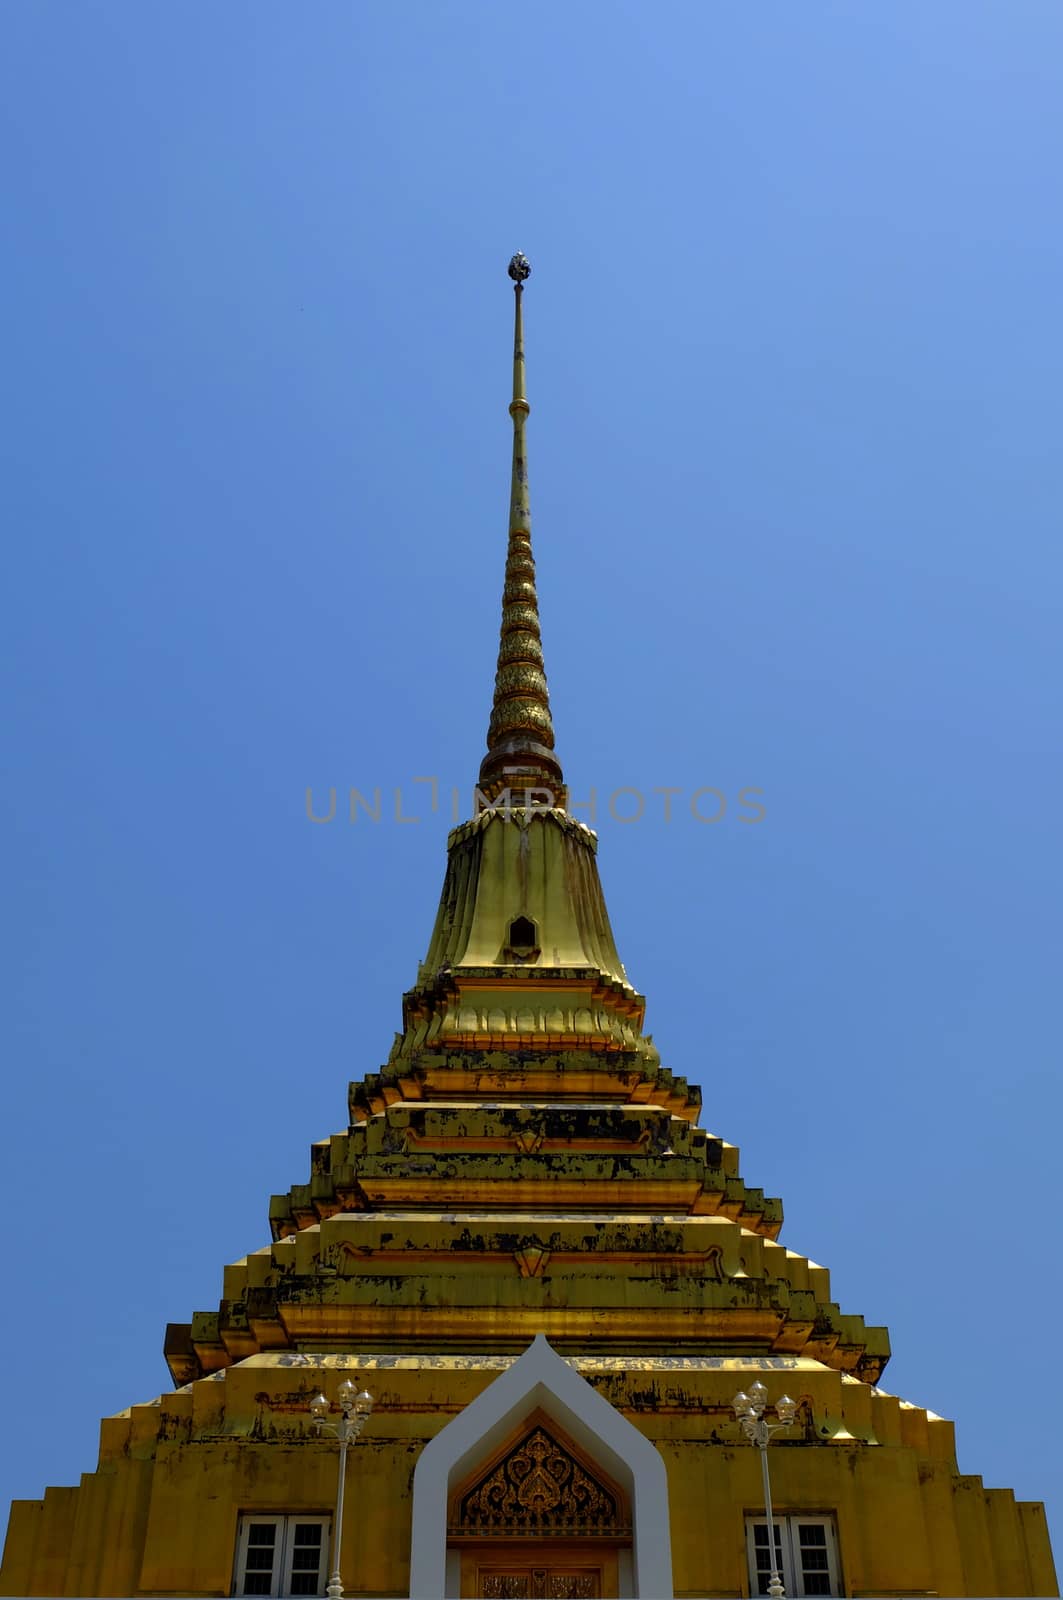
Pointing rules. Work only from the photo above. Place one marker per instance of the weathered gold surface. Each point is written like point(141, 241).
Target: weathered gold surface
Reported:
point(908, 1521)
point(523, 1163)
point(475, 991)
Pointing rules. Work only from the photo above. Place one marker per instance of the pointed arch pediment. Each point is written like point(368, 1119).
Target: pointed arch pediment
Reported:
point(463, 1454)
point(539, 1483)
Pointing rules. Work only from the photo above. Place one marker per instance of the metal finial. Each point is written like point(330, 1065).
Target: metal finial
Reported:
point(520, 737)
point(519, 268)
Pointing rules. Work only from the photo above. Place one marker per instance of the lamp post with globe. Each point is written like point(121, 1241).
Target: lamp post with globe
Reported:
point(354, 1409)
point(749, 1408)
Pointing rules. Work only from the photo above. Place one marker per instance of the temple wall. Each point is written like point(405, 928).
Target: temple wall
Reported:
point(159, 1517)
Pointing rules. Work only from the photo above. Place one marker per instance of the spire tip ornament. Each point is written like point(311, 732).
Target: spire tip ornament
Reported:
point(519, 268)
point(520, 738)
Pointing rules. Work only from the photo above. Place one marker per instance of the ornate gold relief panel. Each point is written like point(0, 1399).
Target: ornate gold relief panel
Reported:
point(539, 1521)
point(539, 1486)
point(556, 1571)
point(540, 1583)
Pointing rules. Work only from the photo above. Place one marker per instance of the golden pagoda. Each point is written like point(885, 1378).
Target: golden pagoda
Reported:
point(550, 1280)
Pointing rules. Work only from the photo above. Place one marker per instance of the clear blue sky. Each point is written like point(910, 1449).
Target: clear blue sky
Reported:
point(794, 362)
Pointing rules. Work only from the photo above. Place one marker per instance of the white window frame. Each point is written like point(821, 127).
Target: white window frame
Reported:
point(283, 1548)
point(787, 1540)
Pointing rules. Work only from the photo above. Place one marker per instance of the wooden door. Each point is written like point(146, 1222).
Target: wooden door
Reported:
point(539, 1572)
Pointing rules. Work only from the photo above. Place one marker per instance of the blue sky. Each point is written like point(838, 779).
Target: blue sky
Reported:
point(793, 358)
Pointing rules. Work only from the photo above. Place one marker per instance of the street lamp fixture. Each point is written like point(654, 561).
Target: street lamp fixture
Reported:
point(354, 1413)
point(749, 1408)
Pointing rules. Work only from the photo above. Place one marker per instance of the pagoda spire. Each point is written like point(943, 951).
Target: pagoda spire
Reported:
point(520, 738)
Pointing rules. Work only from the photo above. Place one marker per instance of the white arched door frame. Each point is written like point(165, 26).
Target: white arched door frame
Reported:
point(541, 1379)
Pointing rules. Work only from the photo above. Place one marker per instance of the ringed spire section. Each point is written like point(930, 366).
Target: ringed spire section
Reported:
point(520, 737)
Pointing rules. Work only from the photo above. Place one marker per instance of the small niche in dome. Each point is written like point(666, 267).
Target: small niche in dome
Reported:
point(522, 943)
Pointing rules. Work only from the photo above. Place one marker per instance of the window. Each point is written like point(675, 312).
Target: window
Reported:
point(522, 935)
point(806, 1555)
point(282, 1555)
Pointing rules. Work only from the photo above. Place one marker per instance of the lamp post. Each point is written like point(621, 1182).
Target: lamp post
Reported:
point(355, 1410)
point(749, 1409)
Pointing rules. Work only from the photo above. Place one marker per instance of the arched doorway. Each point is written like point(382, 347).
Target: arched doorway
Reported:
point(539, 1521)
point(542, 1388)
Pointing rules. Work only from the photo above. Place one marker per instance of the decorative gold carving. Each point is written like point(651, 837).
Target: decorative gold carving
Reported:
point(540, 1584)
point(539, 1487)
point(713, 1267)
point(528, 1141)
point(520, 715)
point(520, 677)
point(531, 1261)
point(520, 645)
point(519, 587)
point(526, 618)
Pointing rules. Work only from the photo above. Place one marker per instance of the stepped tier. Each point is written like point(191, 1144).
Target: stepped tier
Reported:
point(474, 1226)
point(267, 1397)
point(548, 1072)
point(466, 1154)
point(623, 1283)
